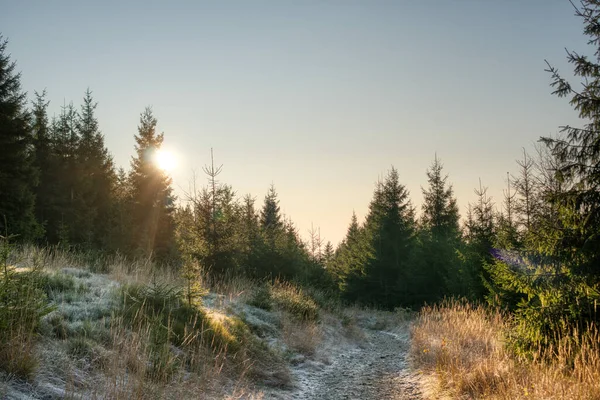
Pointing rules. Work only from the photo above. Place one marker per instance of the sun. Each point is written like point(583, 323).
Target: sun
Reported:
point(165, 160)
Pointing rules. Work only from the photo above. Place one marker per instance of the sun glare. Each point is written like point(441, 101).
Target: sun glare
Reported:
point(165, 160)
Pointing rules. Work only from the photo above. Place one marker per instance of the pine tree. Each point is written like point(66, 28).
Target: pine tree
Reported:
point(62, 225)
point(560, 278)
point(273, 231)
point(481, 233)
point(44, 160)
point(440, 239)
point(351, 256)
point(252, 242)
point(97, 177)
point(152, 198)
point(389, 230)
point(270, 216)
point(526, 190)
point(507, 236)
point(18, 176)
point(120, 237)
point(328, 254)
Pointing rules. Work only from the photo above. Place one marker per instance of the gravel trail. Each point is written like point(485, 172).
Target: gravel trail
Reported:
point(374, 368)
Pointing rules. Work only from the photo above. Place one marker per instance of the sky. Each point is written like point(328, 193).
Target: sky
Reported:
point(319, 98)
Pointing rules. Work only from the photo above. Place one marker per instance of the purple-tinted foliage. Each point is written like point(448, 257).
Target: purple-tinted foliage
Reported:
point(510, 257)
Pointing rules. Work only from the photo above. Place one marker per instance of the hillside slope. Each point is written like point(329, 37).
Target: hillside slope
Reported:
point(86, 349)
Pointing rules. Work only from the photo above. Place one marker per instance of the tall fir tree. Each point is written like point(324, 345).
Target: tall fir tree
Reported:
point(121, 221)
point(389, 230)
point(480, 235)
point(44, 160)
point(440, 239)
point(18, 176)
point(270, 215)
point(153, 203)
point(559, 276)
point(251, 240)
point(97, 177)
point(62, 228)
point(273, 230)
point(526, 187)
point(350, 260)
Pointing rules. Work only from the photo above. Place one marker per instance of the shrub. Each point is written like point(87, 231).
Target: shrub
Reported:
point(262, 297)
point(292, 299)
point(172, 320)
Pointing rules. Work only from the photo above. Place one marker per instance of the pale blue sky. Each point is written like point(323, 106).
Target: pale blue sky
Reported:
point(318, 97)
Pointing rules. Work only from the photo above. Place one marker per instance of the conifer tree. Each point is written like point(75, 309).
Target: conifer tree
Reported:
point(389, 230)
point(152, 198)
point(251, 239)
point(270, 216)
point(18, 176)
point(480, 233)
point(273, 230)
point(506, 230)
point(328, 254)
point(560, 278)
point(97, 177)
point(350, 260)
point(526, 189)
point(121, 235)
point(440, 273)
point(43, 160)
point(62, 227)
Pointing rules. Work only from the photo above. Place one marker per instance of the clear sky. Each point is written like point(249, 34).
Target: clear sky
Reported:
point(318, 97)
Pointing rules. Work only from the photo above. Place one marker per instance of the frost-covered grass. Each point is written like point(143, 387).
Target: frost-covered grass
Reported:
point(128, 333)
point(286, 297)
point(120, 329)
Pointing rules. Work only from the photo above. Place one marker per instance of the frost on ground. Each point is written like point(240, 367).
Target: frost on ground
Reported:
point(83, 305)
point(369, 362)
point(346, 354)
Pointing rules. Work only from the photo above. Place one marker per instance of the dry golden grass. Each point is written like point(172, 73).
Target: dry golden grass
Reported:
point(130, 364)
point(301, 336)
point(459, 350)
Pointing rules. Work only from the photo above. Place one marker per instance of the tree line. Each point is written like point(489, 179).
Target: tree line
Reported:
point(535, 254)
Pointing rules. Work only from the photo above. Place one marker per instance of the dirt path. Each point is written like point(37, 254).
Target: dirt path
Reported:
point(373, 368)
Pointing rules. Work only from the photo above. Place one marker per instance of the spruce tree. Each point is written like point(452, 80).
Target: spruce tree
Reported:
point(251, 240)
point(62, 225)
point(350, 261)
point(480, 233)
point(121, 233)
point(44, 160)
point(152, 199)
point(270, 215)
point(440, 238)
point(18, 176)
point(560, 274)
point(97, 177)
point(507, 236)
point(389, 230)
point(526, 187)
point(273, 230)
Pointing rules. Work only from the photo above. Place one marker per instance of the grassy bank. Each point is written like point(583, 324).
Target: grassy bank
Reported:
point(460, 350)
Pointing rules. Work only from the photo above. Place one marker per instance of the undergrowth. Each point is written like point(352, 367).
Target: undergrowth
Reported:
point(462, 353)
point(286, 297)
point(22, 305)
